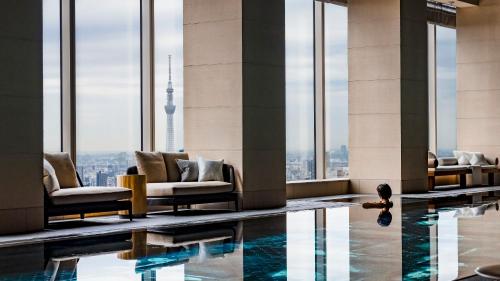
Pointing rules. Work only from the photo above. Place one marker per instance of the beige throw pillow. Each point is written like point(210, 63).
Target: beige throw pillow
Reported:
point(64, 168)
point(50, 181)
point(173, 172)
point(152, 165)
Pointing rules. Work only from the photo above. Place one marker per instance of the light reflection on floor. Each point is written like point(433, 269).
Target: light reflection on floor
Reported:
point(441, 239)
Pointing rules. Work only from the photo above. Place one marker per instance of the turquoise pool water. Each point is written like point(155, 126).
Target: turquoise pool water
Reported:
point(414, 240)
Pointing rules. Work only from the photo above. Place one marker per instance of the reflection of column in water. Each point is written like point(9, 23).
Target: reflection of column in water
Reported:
point(447, 230)
point(337, 247)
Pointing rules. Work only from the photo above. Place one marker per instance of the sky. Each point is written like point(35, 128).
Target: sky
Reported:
point(108, 75)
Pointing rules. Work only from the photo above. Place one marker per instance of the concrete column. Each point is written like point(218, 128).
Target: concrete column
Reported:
point(21, 191)
point(478, 83)
point(388, 113)
point(234, 95)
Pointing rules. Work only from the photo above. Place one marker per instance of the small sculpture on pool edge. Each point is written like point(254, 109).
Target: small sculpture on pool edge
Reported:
point(384, 192)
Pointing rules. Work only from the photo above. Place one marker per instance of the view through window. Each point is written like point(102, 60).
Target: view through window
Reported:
point(300, 150)
point(446, 90)
point(51, 77)
point(169, 80)
point(336, 88)
point(108, 88)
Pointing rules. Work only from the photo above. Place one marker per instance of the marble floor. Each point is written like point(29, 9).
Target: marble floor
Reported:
point(113, 224)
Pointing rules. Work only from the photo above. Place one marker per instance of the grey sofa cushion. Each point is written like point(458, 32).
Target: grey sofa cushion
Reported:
point(447, 161)
point(152, 165)
point(187, 188)
point(210, 170)
point(50, 181)
point(89, 194)
point(188, 170)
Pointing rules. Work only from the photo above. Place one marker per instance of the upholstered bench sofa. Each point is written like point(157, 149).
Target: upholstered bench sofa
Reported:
point(66, 195)
point(462, 164)
point(167, 186)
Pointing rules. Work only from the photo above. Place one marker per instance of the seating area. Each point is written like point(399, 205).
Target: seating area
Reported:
point(65, 194)
point(462, 164)
point(173, 180)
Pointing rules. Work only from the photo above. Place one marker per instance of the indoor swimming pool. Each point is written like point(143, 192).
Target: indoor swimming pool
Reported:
point(416, 239)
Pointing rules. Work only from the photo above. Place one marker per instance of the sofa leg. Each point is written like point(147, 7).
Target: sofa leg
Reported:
point(236, 207)
point(188, 206)
point(46, 221)
point(463, 183)
point(82, 216)
point(130, 214)
point(176, 208)
point(491, 179)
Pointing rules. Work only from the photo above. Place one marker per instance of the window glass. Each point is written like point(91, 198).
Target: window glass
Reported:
point(446, 90)
point(336, 87)
point(51, 76)
point(108, 88)
point(169, 80)
point(300, 150)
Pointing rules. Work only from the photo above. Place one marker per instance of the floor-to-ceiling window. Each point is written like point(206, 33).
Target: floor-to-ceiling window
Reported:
point(446, 90)
point(443, 98)
point(300, 144)
point(108, 87)
point(51, 76)
point(168, 29)
point(336, 86)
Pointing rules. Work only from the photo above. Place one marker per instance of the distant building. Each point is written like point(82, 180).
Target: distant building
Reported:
point(101, 179)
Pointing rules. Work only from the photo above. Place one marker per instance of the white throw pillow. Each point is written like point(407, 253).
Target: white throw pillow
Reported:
point(463, 160)
point(50, 181)
point(210, 170)
point(478, 159)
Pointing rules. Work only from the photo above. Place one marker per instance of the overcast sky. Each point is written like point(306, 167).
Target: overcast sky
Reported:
point(108, 75)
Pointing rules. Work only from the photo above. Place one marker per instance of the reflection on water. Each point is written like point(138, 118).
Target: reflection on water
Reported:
point(425, 240)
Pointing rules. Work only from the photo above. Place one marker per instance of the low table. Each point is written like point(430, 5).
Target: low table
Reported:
point(137, 183)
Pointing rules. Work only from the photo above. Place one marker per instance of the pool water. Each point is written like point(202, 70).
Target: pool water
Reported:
point(416, 239)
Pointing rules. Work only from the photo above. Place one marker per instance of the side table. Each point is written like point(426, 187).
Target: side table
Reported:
point(137, 183)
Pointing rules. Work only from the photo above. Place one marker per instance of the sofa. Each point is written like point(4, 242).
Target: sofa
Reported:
point(463, 163)
point(165, 185)
point(66, 195)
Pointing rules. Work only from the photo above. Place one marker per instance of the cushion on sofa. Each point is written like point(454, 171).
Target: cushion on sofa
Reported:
point(478, 159)
point(188, 170)
point(187, 188)
point(173, 174)
point(50, 181)
point(463, 157)
point(152, 165)
point(209, 170)
point(452, 168)
point(447, 161)
point(89, 194)
point(65, 169)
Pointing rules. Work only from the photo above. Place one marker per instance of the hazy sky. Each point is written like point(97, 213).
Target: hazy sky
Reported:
point(108, 75)
point(446, 41)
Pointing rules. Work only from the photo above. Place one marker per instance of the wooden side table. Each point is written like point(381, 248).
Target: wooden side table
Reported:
point(137, 183)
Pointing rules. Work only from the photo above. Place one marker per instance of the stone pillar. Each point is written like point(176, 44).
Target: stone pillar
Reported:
point(21, 191)
point(478, 83)
point(234, 92)
point(388, 113)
